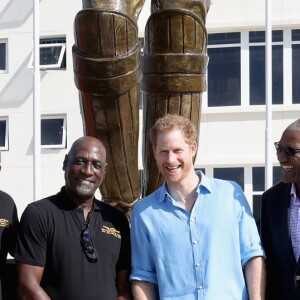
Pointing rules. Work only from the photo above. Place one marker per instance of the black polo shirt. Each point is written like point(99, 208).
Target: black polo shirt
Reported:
point(8, 229)
point(50, 238)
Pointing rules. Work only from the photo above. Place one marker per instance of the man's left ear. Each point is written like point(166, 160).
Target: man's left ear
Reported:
point(194, 147)
point(65, 162)
point(153, 151)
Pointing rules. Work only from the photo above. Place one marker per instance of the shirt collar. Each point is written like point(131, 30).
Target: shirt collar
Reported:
point(205, 183)
point(293, 191)
point(69, 204)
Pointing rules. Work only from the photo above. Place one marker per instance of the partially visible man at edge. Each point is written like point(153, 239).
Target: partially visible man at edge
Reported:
point(280, 221)
point(194, 237)
point(72, 246)
point(9, 223)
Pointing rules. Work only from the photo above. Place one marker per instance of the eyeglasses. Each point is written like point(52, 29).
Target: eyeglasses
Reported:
point(88, 246)
point(287, 150)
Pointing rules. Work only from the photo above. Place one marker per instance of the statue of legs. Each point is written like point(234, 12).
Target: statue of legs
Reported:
point(106, 58)
point(174, 66)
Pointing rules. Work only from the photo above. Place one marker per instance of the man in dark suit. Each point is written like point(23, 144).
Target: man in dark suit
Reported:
point(280, 221)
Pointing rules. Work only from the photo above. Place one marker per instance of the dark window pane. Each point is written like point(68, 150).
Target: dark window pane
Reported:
point(235, 174)
point(260, 36)
point(224, 76)
point(277, 74)
point(296, 35)
point(224, 38)
point(49, 55)
point(2, 133)
point(2, 56)
point(256, 36)
point(256, 209)
point(53, 41)
point(296, 73)
point(52, 131)
point(276, 175)
point(257, 75)
point(258, 178)
point(277, 35)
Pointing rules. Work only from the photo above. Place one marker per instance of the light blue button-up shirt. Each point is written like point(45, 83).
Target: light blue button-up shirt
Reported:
point(198, 254)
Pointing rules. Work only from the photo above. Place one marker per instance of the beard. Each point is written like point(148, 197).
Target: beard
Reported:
point(84, 191)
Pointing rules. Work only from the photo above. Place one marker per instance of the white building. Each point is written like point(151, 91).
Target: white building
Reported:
point(233, 120)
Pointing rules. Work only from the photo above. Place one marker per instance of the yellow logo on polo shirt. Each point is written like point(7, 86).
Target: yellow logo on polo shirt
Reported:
point(4, 223)
point(112, 231)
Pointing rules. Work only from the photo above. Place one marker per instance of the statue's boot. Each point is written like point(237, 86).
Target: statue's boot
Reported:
point(174, 66)
point(106, 59)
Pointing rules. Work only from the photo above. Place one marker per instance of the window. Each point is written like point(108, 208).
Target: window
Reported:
point(295, 65)
point(53, 132)
point(257, 67)
point(224, 72)
point(3, 134)
point(233, 174)
point(52, 54)
point(258, 180)
point(3, 56)
point(236, 69)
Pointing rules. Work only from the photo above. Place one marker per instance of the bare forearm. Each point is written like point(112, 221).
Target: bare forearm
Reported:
point(29, 279)
point(35, 292)
point(123, 285)
point(126, 295)
point(255, 273)
point(142, 290)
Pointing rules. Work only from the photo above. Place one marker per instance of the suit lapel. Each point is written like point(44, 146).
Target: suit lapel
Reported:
point(283, 219)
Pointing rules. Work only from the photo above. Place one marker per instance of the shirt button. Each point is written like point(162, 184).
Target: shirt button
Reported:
point(195, 242)
point(197, 264)
point(200, 287)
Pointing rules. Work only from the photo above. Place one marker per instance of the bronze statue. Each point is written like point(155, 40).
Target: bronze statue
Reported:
point(106, 60)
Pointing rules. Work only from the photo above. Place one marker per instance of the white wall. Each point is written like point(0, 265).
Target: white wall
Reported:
point(247, 13)
point(58, 95)
point(228, 137)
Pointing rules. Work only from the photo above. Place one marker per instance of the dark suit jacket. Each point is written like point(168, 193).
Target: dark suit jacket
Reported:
point(275, 235)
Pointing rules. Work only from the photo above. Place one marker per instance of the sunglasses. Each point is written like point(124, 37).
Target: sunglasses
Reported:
point(88, 246)
point(287, 150)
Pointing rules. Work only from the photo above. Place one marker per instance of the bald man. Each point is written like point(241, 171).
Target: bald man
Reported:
point(280, 221)
point(72, 246)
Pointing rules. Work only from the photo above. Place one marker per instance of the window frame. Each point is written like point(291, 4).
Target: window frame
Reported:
point(56, 66)
point(6, 144)
point(63, 144)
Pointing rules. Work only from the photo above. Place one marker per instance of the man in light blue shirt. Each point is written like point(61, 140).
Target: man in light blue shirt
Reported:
point(195, 237)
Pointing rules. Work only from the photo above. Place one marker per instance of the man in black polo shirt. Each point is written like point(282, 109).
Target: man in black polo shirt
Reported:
point(8, 235)
point(72, 246)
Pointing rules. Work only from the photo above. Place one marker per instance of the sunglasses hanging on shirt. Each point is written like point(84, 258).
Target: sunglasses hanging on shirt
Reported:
point(87, 243)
